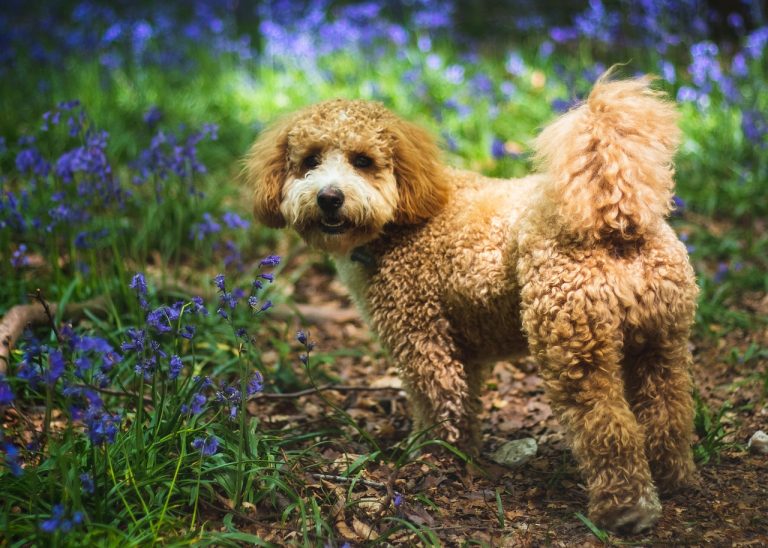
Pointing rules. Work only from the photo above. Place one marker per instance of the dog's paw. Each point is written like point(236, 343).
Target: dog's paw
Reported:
point(631, 518)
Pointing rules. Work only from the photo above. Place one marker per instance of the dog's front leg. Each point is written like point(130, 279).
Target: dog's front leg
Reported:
point(434, 378)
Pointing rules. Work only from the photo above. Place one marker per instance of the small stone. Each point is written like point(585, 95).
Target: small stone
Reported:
point(758, 443)
point(516, 452)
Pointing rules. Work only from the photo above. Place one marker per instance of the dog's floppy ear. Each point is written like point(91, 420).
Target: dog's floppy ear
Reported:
point(422, 185)
point(266, 167)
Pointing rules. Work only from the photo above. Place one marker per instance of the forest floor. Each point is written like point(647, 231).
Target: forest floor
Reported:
point(537, 504)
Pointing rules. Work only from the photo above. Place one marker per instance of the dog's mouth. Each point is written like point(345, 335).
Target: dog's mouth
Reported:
point(334, 225)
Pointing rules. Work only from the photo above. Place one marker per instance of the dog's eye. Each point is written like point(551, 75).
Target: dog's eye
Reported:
point(311, 161)
point(362, 161)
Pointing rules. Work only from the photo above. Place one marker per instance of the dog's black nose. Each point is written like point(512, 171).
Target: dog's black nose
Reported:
point(330, 199)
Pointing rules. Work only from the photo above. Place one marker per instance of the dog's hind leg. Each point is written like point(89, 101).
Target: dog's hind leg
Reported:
point(577, 339)
point(659, 389)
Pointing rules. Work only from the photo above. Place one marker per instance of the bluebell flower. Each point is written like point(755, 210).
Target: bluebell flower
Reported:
point(272, 260)
point(195, 406)
point(152, 116)
point(56, 366)
point(454, 74)
point(174, 367)
point(162, 319)
point(208, 226)
point(6, 393)
point(12, 458)
point(218, 281)
point(102, 427)
point(515, 64)
point(497, 148)
point(754, 125)
point(397, 500)
point(721, 273)
point(139, 285)
point(255, 384)
point(30, 161)
point(19, 257)
point(207, 446)
point(187, 332)
point(233, 220)
point(57, 521)
point(86, 480)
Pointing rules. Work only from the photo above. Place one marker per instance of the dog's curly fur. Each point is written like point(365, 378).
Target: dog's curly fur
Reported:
point(454, 270)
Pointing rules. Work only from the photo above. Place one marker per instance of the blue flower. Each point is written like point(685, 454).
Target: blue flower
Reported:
point(153, 116)
point(19, 257)
point(55, 367)
point(272, 260)
point(206, 446)
point(175, 367)
point(6, 394)
point(207, 226)
point(57, 521)
point(196, 405)
point(233, 220)
point(86, 480)
point(218, 281)
point(398, 500)
point(139, 285)
point(256, 384)
point(12, 459)
point(102, 427)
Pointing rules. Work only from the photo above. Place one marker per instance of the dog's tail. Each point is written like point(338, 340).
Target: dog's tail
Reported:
point(609, 161)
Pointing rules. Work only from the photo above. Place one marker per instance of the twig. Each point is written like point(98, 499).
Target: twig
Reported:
point(345, 479)
point(20, 316)
point(325, 387)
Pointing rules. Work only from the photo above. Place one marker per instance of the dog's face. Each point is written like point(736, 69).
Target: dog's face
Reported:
point(340, 171)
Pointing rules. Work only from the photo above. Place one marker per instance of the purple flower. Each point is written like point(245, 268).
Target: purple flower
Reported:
point(398, 500)
point(19, 257)
point(256, 384)
point(86, 480)
point(754, 125)
point(55, 367)
point(175, 367)
point(153, 116)
point(204, 228)
point(139, 285)
point(6, 394)
point(233, 220)
point(102, 426)
point(187, 332)
point(272, 260)
point(196, 405)
point(57, 521)
point(218, 281)
point(206, 446)
point(722, 272)
point(497, 148)
point(12, 459)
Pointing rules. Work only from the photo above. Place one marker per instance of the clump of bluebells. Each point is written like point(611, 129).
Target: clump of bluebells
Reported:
point(153, 371)
point(63, 200)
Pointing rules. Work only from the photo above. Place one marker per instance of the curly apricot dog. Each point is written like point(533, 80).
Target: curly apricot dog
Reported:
point(454, 270)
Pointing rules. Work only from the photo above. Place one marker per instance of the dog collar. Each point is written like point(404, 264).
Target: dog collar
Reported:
point(363, 256)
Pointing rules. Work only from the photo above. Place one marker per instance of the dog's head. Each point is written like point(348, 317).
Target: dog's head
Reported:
point(340, 171)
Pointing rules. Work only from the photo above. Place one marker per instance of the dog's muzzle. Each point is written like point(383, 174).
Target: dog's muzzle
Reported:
point(329, 200)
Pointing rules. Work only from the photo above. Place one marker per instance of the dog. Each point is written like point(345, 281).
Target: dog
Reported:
point(454, 270)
